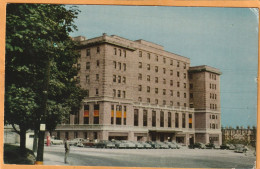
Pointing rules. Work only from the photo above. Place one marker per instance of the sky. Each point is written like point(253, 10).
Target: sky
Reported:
point(224, 38)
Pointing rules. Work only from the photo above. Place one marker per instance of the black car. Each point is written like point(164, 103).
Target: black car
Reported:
point(197, 145)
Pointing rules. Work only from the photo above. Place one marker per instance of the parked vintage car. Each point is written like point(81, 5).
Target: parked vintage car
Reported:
point(138, 145)
point(163, 145)
point(240, 148)
point(171, 145)
point(105, 144)
point(145, 145)
point(197, 145)
point(119, 144)
point(75, 141)
point(154, 144)
point(128, 144)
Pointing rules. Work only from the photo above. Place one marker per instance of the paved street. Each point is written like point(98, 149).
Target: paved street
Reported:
point(184, 157)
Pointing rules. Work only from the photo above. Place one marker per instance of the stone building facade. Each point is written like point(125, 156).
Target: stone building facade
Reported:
point(139, 91)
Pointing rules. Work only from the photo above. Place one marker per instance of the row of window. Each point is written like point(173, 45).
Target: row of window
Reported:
point(156, 91)
point(88, 51)
point(164, 59)
point(213, 116)
point(213, 126)
point(162, 123)
point(213, 106)
point(212, 86)
point(119, 79)
point(120, 52)
point(156, 69)
point(117, 93)
point(88, 64)
point(119, 65)
point(118, 117)
point(88, 78)
point(213, 96)
point(212, 76)
point(156, 80)
point(156, 101)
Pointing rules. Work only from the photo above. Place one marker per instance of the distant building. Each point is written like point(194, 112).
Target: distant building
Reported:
point(139, 91)
point(239, 134)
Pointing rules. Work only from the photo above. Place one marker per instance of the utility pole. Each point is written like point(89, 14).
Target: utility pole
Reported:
point(41, 133)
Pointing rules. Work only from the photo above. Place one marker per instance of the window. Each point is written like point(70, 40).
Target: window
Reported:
point(112, 114)
point(136, 114)
point(178, 104)
point(164, 102)
point(114, 62)
point(97, 77)
point(171, 72)
point(184, 85)
point(178, 74)
point(87, 79)
point(124, 95)
point(148, 89)
point(86, 114)
point(87, 65)
point(114, 78)
point(124, 79)
point(171, 103)
point(178, 84)
point(124, 66)
point(185, 105)
point(139, 76)
point(119, 65)
point(156, 90)
point(153, 118)
point(164, 81)
point(183, 120)
point(161, 119)
point(119, 79)
point(184, 95)
point(124, 115)
point(164, 70)
point(139, 87)
point(96, 114)
point(164, 91)
point(145, 117)
point(97, 63)
point(140, 53)
point(119, 93)
point(171, 92)
point(191, 95)
point(96, 91)
point(118, 115)
point(115, 51)
point(148, 67)
point(88, 52)
point(156, 68)
point(184, 75)
point(184, 65)
point(178, 94)
point(140, 65)
point(190, 121)
point(171, 82)
point(164, 60)
point(120, 52)
point(176, 120)
point(171, 63)
point(148, 78)
point(178, 64)
point(156, 79)
point(156, 58)
point(148, 100)
point(191, 86)
point(169, 119)
point(124, 53)
point(139, 99)
point(98, 49)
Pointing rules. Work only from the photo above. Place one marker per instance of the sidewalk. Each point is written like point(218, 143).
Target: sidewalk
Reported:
point(50, 159)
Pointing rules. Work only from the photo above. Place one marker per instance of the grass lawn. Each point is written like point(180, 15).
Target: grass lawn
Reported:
point(12, 155)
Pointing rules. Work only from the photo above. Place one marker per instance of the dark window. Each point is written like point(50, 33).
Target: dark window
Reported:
point(118, 115)
point(98, 49)
point(144, 117)
point(88, 52)
point(136, 114)
point(161, 119)
point(190, 121)
point(183, 120)
point(96, 114)
point(169, 119)
point(154, 118)
point(176, 120)
point(114, 78)
point(96, 91)
point(85, 135)
point(87, 65)
point(140, 53)
point(112, 114)
point(115, 51)
point(86, 114)
point(97, 63)
point(114, 64)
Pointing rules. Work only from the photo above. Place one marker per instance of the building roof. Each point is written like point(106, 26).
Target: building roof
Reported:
point(205, 68)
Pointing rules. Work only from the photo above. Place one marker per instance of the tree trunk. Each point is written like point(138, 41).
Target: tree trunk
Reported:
point(22, 141)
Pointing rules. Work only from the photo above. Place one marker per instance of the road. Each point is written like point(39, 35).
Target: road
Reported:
point(174, 158)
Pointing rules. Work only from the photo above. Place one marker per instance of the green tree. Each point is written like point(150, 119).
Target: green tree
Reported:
point(40, 76)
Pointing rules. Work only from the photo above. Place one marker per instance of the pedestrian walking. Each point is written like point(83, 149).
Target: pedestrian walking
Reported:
point(67, 150)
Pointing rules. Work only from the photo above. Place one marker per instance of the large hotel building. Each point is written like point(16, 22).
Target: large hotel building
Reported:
point(139, 91)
